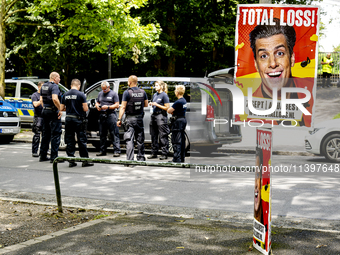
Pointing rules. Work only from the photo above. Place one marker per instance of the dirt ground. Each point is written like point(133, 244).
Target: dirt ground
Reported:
point(20, 222)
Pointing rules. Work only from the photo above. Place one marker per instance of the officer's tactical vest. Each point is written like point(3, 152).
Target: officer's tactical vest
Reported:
point(327, 68)
point(135, 105)
point(46, 94)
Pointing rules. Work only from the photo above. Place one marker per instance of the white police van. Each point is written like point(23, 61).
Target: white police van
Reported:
point(18, 93)
point(208, 99)
point(9, 122)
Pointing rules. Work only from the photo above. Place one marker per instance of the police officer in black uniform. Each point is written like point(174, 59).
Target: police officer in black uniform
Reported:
point(159, 129)
point(37, 120)
point(106, 104)
point(133, 102)
point(50, 95)
point(74, 102)
point(178, 110)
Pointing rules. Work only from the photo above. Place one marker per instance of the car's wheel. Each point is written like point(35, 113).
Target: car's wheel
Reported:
point(187, 143)
point(331, 148)
point(62, 145)
point(6, 138)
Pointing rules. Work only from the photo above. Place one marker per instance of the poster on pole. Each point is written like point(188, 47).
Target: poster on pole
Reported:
point(276, 54)
point(262, 191)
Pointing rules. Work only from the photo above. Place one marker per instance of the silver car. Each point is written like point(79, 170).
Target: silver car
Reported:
point(204, 106)
point(324, 140)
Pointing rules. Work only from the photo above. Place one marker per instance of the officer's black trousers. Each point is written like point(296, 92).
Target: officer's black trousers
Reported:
point(178, 139)
point(326, 79)
point(108, 122)
point(72, 127)
point(37, 130)
point(159, 131)
point(135, 130)
point(51, 133)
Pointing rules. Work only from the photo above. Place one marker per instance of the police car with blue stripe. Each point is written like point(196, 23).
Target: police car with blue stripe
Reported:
point(9, 122)
point(18, 93)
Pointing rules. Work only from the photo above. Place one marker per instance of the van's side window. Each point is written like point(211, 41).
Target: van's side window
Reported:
point(94, 93)
point(192, 91)
point(10, 89)
point(26, 90)
point(147, 86)
point(122, 87)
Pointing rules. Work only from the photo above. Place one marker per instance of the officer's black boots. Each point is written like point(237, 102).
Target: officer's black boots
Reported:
point(152, 156)
point(85, 164)
point(72, 164)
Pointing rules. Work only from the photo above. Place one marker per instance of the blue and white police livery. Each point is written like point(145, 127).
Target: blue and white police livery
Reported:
point(9, 122)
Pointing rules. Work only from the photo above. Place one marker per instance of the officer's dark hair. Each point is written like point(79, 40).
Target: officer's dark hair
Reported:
point(40, 83)
point(265, 31)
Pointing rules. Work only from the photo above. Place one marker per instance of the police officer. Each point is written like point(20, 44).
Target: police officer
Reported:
point(50, 95)
point(37, 120)
point(178, 110)
point(75, 104)
point(159, 129)
point(133, 102)
point(106, 104)
point(327, 64)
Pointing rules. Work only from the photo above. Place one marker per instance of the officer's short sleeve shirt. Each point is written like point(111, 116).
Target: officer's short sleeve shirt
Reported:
point(180, 107)
point(36, 97)
point(73, 101)
point(108, 98)
point(161, 99)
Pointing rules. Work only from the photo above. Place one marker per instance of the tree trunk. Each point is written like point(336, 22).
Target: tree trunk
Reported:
point(2, 51)
point(172, 33)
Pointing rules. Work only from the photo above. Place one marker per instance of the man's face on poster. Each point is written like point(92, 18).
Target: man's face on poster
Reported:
point(273, 62)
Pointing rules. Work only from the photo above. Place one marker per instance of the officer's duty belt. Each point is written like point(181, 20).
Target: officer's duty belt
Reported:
point(106, 112)
point(136, 115)
point(74, 117)
point(49, 108)
point(158, 113)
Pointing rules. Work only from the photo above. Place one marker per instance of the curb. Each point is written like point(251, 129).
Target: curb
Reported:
point(252, 151)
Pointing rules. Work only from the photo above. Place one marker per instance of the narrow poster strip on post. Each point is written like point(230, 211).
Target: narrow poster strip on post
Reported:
point(262, 191)
point(276, 63)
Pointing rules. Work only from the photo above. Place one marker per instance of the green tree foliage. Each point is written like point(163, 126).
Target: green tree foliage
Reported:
point(71, 25)
point(336, 48)
point(197, 35)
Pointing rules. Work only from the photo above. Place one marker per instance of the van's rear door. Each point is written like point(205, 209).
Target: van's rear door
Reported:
point(225, 130)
